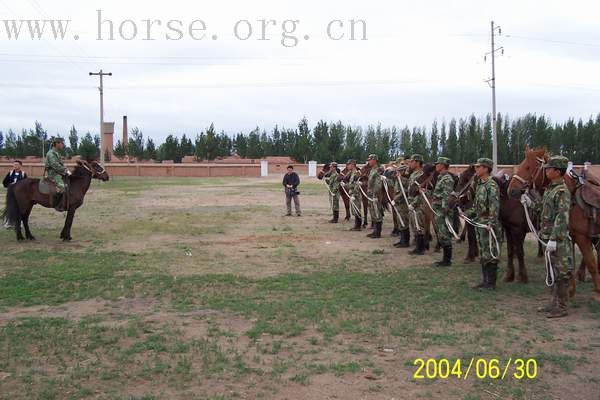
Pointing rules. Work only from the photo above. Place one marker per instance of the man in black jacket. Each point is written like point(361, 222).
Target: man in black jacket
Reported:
point(14, 176)
point(291, 180)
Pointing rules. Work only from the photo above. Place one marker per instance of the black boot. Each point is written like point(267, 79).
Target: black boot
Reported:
point(376, 234)
point(447, 258)
point(492, 274)
point(336, 217)
point(395, 232)
point(484, 278)
point(419, 249)
point(357, 224)
point(404, 239)
point(58, 202)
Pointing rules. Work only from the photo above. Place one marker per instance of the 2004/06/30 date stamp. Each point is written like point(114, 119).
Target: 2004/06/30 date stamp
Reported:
point(479, 368)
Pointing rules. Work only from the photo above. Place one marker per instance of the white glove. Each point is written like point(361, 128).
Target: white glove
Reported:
point(393, 203)
point(551, 246)
point(526, 200)
point(68, 172)
point(352, 198)
point(411, 208)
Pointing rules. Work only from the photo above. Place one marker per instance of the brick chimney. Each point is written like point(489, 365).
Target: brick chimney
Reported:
point(125, 140)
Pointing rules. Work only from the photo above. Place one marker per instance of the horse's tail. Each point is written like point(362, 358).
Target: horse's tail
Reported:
point(11, 212)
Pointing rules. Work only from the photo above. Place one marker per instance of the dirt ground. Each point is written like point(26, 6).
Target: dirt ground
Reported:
point(233, 233)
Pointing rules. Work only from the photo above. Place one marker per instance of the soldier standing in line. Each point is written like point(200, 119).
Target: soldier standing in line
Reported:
point(333, 181)
point(441, 193)
point(352, 185)
point(415, 205)
point(486, 211)
point(375, 185)
point(556, 206)
point(400, 202)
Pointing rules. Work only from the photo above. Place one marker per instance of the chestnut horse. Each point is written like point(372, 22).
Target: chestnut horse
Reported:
point(530, 176)
point(463, 196)
point(23, 195)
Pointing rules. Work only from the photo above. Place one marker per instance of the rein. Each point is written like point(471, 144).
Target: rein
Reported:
point(385, 187)
point(352, 198)
point(491, 232)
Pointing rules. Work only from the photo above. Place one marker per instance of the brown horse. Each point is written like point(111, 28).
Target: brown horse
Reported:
point(22, 196)
point(530, 176)
point(463, 197)
point(323, 173)
point(425, 182)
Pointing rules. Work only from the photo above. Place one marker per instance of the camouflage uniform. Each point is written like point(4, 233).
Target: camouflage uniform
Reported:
point(402, 207)
point(55, 169)
point(556, 206)
point(486, 211)
point(417, 202)
point(354, 191)
point(441, 193)
point(374, 187)
point(333, 181)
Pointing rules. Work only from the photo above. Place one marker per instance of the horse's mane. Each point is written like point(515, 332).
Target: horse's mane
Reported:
point(537, 152)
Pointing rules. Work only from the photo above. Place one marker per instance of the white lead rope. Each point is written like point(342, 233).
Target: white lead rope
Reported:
point(493, 238)
point(351, 198)
point(385, 187)
point(446, 220)
point(411, 209)
point(550, 277)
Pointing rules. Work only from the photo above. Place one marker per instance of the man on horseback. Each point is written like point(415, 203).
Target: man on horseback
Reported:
point(56, 172)
point(486, 213)
point(374, 187)
point(556, 206)
point(352, 183)
point(415, 204)
point(443, 212)
point(400, 201)
point(333, 181)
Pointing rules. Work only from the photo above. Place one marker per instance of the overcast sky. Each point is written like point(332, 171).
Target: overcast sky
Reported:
point(422, 60)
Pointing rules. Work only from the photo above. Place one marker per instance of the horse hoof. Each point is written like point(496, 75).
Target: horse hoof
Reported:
point(20, 239)
point(509, 278)
point(581, 276)
point(67, 239)
point(596, 297)
point(31, 238)
point(522, 279)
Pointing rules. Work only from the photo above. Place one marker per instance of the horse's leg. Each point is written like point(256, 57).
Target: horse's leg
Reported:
point(66, 232)
point(587, 250)
point(346, 205)
point(395, 220)
point(26, 214)
point(365, 204)
point(510, 255)
point(18, 228)
point(540, 253)
point(519, 242)
point(471, 243)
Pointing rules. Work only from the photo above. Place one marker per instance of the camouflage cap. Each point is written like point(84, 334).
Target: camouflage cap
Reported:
point(373, 157)
point(351, 161)
point(486, 162)
point(333, 164)
point(417, 157)
point(558, 162)
point(58, 140)
point(443, 160)
point(400, 160)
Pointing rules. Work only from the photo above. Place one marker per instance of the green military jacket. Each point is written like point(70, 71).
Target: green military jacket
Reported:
point(441, 192)
point(374, 183)
point(417, 200)
point(334, 182)
point(353, 183)
point(486, 207)
point(55, 169)
point(556, 206)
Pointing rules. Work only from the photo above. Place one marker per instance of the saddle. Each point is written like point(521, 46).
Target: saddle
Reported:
point(587, 196)
point(47, 187)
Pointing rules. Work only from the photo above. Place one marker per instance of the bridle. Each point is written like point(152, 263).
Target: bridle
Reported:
point(538, 170)
point(465, 190)
point(93, 172)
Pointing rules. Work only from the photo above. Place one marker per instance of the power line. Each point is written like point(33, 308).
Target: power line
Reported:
point(552, 41)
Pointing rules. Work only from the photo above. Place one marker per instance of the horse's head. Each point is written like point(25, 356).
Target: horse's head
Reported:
point(529, 174)
point(324, 170)
point(426, 179)
point(462, 191)
point(92, 169)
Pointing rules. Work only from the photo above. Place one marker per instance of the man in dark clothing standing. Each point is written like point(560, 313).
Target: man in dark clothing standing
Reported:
point(14, 176)
point(291, 180)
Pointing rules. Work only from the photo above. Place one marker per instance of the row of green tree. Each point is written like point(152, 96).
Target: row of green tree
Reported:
point(463, 140)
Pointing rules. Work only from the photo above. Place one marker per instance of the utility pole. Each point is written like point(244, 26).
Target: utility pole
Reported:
point(492, 83)
point(101, 88)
